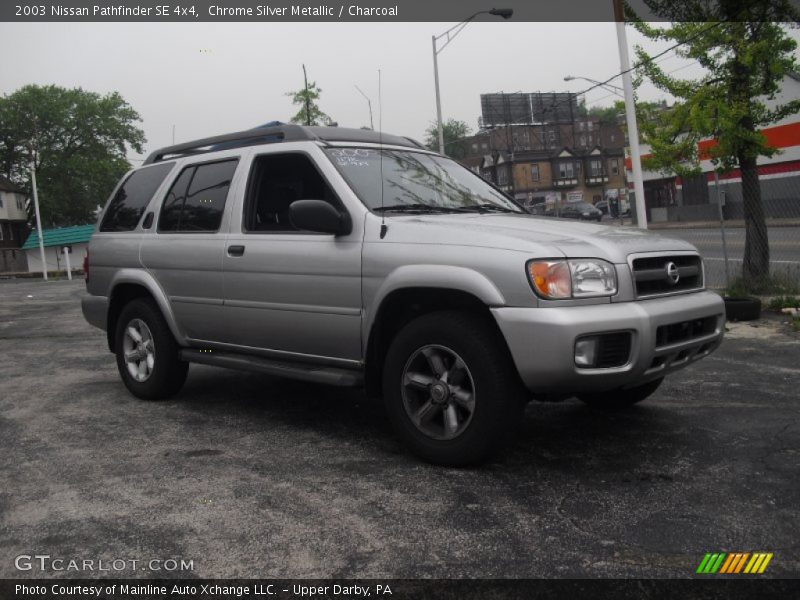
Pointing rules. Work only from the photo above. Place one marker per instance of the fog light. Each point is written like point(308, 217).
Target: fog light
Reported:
point(586, 351)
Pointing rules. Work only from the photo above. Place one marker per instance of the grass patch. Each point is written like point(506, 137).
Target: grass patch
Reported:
point(778, 284)
point(780, 302)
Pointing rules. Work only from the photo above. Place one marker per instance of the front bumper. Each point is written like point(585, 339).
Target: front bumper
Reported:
point(542, 340)
point(95, 310)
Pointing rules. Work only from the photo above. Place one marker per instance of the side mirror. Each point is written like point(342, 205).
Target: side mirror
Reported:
point(319, 216)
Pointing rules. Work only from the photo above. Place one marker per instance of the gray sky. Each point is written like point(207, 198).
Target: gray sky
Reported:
point(212, 78)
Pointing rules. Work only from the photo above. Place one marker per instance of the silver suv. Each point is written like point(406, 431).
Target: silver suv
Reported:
point(352, 258)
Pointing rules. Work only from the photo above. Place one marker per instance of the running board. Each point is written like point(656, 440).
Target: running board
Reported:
point(257, 364)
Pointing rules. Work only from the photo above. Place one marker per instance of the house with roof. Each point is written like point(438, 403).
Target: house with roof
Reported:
point(13, 226)
point(57, 242)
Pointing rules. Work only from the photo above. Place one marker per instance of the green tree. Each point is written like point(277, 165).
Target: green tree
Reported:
point(80, 140)
point(746, 53)
point(455, 132)
point(308, 101)
point(608, 115)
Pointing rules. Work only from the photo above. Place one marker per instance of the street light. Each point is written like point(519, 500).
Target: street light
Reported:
point(450, 34)
point(614, 88)
point(39, 230)
point(369, 104)
point(630, 115)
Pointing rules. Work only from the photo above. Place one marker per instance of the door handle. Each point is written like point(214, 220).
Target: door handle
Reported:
point(235, 250)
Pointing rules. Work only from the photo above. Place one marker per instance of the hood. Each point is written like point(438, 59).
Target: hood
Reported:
point(540, 236)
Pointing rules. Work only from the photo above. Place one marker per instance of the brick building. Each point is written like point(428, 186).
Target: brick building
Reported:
point(565, 157)
point(13, 226)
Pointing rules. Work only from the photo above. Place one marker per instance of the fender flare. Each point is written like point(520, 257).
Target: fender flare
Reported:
point(449, 277)
point(146, 280)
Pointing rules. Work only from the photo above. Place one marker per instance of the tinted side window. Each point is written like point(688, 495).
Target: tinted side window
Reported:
point(196, 200)
point(173, 203)
point(128, 204)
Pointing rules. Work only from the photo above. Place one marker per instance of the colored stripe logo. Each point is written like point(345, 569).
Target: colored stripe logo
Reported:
point(734, 563)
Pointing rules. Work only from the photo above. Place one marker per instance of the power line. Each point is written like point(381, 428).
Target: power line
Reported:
point(650, 59)
point(681, 68)
point(686, 66)
point(596, 100)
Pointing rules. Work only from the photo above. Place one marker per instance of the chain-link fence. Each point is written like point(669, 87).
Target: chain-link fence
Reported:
point(737, 252)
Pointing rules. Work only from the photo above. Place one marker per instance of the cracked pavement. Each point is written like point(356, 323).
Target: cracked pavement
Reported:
point(248, 475)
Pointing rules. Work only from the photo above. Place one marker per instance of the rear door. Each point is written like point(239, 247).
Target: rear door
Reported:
point(186, 247)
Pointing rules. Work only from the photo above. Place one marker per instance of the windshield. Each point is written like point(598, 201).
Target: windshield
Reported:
point(416, 182)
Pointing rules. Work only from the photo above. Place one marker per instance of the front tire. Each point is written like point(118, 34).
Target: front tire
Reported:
point(621, 398)
point(450, 389)
point(147, 355)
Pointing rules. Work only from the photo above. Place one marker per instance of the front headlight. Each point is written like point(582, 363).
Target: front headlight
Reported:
point(575, 278)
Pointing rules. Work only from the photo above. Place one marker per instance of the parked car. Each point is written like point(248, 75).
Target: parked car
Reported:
point(351, 258)
point(581, 210)
point(602, 206)
point(540, 208)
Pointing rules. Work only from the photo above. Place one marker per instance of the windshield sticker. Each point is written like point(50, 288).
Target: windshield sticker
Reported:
point(352, 157)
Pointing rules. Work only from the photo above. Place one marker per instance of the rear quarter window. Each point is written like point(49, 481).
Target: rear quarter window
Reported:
point(133, 196)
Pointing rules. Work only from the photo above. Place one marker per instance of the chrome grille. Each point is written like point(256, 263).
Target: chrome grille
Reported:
point(669, 274)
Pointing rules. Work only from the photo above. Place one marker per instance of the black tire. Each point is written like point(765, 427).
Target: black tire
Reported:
point(621, 398)
point(742, 309)
point(167, 373)
point(479, 354)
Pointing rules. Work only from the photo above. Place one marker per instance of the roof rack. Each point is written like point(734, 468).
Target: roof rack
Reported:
point(250, 137)
point(367, 136)
point(276, 134)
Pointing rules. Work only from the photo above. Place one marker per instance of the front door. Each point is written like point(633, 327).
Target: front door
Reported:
point(292, 294)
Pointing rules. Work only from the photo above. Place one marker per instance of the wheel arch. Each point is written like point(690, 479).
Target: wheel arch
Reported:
point(130, 285)
point(403, 304)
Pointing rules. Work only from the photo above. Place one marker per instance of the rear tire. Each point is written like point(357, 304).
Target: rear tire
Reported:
point(450, 388)
point(621, 398)
point(147, 355)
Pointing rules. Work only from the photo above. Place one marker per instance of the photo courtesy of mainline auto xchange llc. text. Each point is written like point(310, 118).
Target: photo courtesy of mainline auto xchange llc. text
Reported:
point(394, 302)
point(224, 589)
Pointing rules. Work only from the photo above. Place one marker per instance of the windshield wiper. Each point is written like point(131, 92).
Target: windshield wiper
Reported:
point(418, 208)
point(488, 207)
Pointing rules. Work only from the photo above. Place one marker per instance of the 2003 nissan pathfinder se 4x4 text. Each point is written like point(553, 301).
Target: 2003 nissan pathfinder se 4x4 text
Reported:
point(353, 258)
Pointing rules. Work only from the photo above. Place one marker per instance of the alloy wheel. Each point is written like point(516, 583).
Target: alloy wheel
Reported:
point(139, 350)
point(438, 392)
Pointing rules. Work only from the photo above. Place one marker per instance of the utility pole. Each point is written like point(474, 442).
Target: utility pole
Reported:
point(369, 104)
point(630, 114)
point(308, 100)
point(439, 125)
point(39, 229)
point(720, 201)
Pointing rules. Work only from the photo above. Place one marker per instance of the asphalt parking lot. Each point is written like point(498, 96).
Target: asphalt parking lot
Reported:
point(247, 475)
